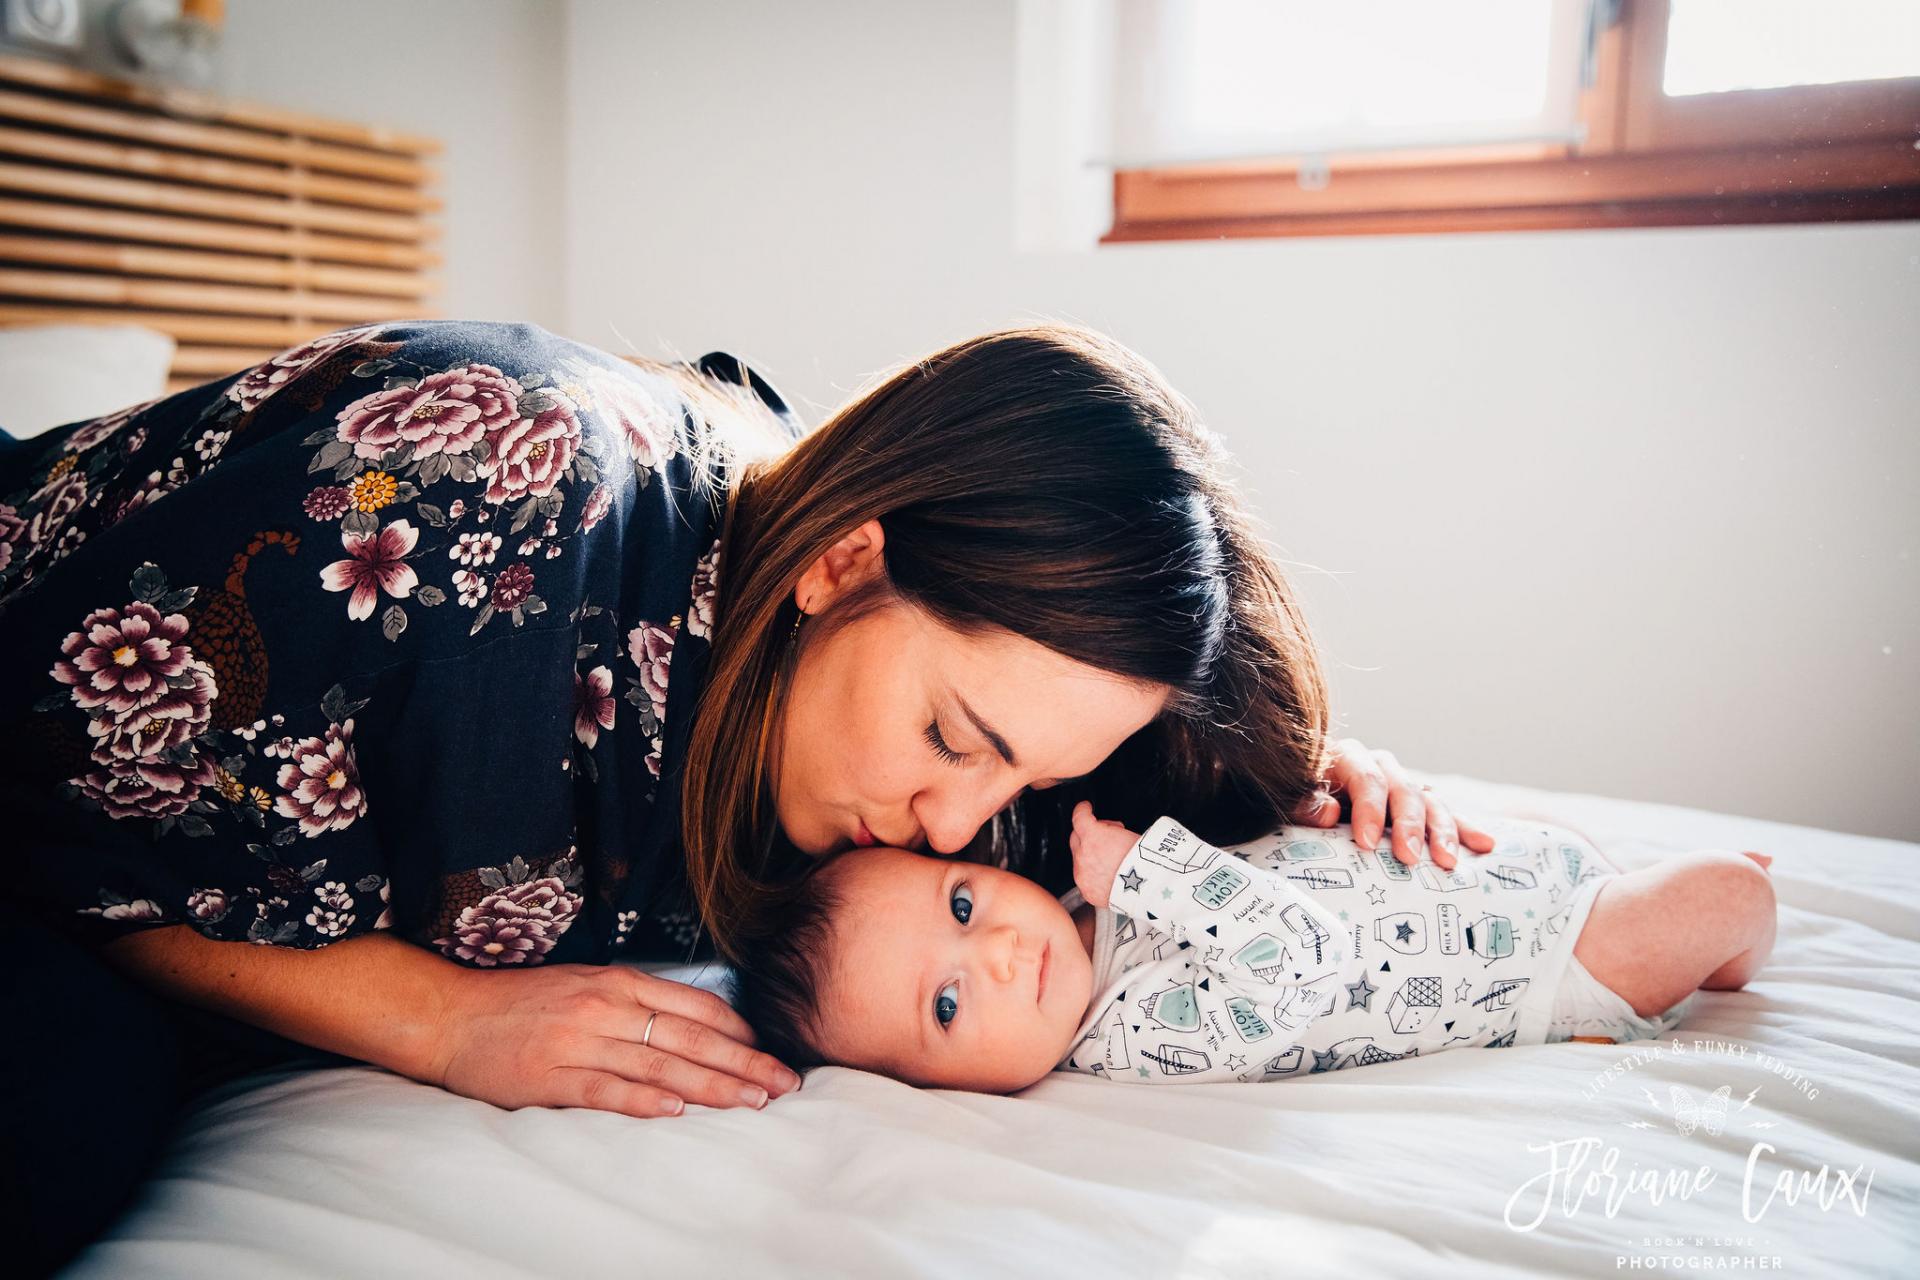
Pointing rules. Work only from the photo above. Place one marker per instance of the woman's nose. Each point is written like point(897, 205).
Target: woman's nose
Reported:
point(952, 821)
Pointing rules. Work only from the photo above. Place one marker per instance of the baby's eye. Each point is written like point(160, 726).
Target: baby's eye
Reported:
point(962, 903)
point(947, 1003)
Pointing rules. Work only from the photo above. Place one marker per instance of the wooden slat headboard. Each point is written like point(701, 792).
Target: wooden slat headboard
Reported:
point(237, 229)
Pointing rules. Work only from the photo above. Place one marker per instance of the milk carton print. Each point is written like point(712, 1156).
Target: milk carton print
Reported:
point(1302, 953)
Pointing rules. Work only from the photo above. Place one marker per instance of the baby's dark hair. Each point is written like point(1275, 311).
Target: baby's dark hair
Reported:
point(782, 967)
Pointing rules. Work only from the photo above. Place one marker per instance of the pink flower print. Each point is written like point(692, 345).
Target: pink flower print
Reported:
point(329, 922)
point(169, 715)
point(650, 434)
point(377, 564)
point(332, 915)
point(262, 381)
point(515, 925)
point(322, 783)
point(147, 788)
point(209, 906)
point(472, 587)
point(598, 503)
point(530, 454)
point(151, 490)
point(446, 413)
point(329, 502)
point(651, 649)
point(512, 587)
point(706, 585)
point(66, 496)
point(118, 658)
point(592, 704)
point(157, 486)
point(12, 529)
point(101, 429)
point(141, 909)
point(210, 444)
point(475, 548)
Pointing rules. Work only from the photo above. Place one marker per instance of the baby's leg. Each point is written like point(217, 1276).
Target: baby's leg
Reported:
point(1701, 919)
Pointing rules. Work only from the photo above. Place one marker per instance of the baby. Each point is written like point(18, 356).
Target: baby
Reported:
point(1174, 961)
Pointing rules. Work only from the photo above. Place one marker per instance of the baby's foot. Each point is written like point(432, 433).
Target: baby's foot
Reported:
point(1766, 862)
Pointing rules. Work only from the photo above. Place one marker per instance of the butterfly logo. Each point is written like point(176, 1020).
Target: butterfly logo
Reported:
point(1709, 1114)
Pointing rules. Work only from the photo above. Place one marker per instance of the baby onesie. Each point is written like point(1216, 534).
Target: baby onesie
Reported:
point(1302, 952)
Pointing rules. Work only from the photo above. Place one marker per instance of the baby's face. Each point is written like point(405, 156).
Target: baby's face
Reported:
point(949, 974)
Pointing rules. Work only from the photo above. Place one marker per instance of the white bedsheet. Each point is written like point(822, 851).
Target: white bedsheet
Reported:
point(1401, 1169)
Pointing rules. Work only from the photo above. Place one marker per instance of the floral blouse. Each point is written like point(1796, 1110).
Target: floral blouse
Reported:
point(401, 629)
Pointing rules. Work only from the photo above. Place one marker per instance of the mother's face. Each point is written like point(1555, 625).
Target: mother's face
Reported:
point(899, 731)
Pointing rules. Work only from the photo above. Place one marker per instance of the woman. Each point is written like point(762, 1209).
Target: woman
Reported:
point(449, 661)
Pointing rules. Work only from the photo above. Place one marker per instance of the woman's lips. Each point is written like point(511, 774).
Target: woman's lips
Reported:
point(863, 837)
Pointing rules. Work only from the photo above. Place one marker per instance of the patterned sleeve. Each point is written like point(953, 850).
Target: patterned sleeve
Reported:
point(247, 831)
point(377, 634)
point(1268, 952)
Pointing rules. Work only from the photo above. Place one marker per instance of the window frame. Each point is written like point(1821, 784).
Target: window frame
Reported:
point(1810, 153)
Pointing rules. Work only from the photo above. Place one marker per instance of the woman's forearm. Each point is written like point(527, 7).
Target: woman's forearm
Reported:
point(375, 997)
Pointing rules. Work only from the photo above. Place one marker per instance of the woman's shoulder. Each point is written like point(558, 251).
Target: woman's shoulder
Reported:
point(725, 367)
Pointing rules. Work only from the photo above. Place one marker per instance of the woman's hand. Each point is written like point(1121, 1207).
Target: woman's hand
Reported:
point(1372, 782)
point(575, 1035)
point(1099, 847)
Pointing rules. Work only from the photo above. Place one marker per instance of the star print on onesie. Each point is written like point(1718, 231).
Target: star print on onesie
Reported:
point(1302, 952)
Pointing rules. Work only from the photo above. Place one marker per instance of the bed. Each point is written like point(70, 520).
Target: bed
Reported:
point(1424, 1166)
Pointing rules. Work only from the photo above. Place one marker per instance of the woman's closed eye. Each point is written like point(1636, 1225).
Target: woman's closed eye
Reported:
point(946, 1004)
point(938, 741)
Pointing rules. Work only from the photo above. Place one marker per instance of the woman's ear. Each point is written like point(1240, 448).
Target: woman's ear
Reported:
point(847, 564)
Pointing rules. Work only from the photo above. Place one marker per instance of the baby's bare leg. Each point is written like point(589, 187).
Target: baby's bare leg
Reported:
point(1701, 919)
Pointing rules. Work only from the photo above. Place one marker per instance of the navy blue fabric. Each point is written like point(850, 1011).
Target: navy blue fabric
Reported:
point(292, 655)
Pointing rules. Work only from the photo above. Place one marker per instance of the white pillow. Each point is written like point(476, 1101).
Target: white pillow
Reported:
point(54, 374)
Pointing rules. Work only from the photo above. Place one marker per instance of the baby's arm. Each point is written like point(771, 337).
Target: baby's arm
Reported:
point(1252, 933)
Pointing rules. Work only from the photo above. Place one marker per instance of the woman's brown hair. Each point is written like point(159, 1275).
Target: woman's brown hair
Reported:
point(1046, 481)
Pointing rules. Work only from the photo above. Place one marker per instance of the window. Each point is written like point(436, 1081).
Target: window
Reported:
point(1261, 118)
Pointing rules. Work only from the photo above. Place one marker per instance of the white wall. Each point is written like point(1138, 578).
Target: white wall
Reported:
point(483, 76)
point(1628, 512)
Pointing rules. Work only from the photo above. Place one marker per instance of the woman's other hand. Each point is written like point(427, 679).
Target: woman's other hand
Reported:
point(575, 1035)
point(1372, 782)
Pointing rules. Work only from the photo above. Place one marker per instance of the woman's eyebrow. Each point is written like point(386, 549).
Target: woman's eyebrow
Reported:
point(987, 732)
point(1000, 743)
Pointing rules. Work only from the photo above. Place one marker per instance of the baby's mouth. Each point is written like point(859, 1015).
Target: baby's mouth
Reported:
point(1040, 986)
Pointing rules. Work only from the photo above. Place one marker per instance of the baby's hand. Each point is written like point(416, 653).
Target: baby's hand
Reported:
point(1098, 850)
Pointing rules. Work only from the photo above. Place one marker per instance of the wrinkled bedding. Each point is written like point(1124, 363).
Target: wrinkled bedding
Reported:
point(1426, 1166)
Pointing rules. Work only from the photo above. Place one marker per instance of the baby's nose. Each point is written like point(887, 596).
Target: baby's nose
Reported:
point(1006, 952)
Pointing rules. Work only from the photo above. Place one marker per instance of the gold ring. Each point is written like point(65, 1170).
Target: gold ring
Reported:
point(647, 1035)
